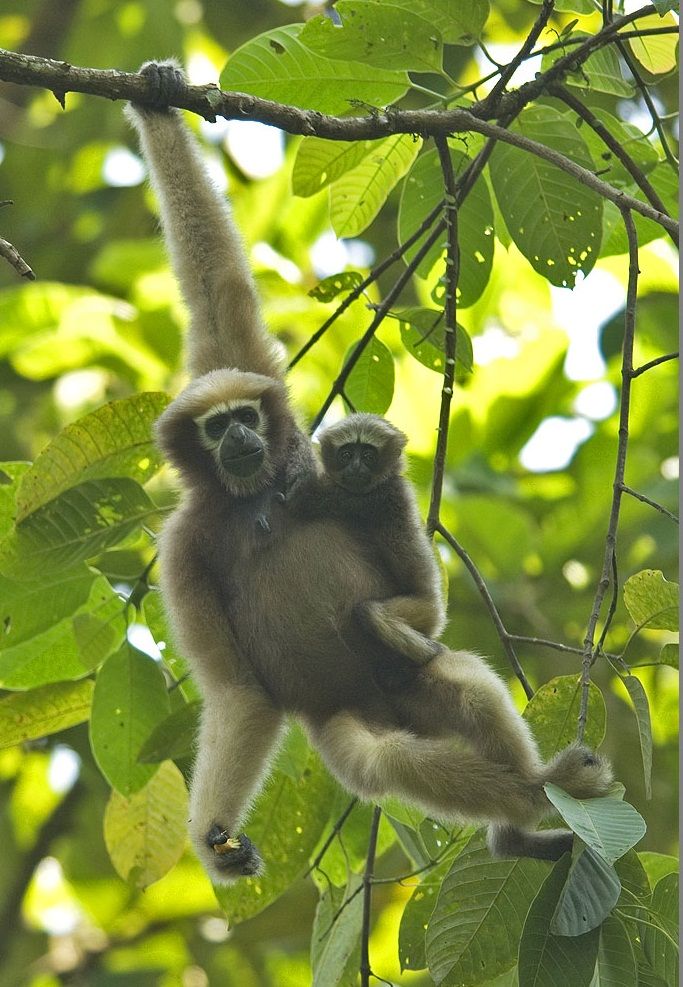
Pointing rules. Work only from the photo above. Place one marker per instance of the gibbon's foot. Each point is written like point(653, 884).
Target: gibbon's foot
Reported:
point(234, 855)
point(167, 79)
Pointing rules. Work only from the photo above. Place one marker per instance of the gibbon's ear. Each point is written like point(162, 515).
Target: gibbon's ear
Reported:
point(176, 429)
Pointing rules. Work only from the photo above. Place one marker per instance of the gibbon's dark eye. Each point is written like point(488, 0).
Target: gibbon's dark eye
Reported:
point(369, 455)
point(215, 426)
point(344, 455)
point(247, 415)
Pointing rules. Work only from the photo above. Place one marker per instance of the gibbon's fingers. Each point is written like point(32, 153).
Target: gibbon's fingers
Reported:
point(206, 249)
point(445, 776)
point(239, 733)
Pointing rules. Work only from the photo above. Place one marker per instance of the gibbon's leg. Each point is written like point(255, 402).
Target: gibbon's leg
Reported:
point(404, 623)
point(444, 775)
point(206, 250)
point(239, 731)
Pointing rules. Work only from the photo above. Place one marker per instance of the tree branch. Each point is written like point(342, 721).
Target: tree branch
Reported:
point(651, 503)
point(365, 969)
point(210, 102)
point(609, 556)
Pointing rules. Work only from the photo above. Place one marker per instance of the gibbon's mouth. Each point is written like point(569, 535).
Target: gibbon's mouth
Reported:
point(245, 465)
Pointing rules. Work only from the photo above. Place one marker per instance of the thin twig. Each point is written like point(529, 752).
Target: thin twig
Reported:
point(336, 829)
point(493, 610)
point(620, 468)
point(373, 276)
point(450, 331)
point(653, 363)
point(554, 645)
point(531, 39)
point(567, 97)
point(365, 969)
point(647, 500)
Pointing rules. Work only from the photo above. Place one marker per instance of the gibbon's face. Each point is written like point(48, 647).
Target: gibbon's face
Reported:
point(356, 466)
point(234, 433)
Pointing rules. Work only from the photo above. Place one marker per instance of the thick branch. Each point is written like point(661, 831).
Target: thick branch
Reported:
point(210, 102)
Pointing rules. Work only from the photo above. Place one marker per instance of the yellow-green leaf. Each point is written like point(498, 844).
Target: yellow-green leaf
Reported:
point(29, 715)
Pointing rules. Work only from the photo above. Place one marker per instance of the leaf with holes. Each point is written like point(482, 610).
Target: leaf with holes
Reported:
point(555, 221)
point(589, 894)
point(424, 337)
point(474, 930)
point(652, 600)
point(75, 526)
point(383, 35)
point(416, 916)
point(635, 689)
point(631, 139)
point(357, 197)
point(331, 287)
point(130, 701)
point(40, 712)
point(319, 162)
point(553, 712)
point(115, 440)
point(422, 192)
point(459, 21)
point(276, 65)
point(145, 834)
point(611, 827)
point(370, 385)
point(551, 960)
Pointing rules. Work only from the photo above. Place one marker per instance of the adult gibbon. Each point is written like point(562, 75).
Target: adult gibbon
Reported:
point(258, 596)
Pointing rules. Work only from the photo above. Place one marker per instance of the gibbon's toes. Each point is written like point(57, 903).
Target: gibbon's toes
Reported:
point(166, 78)
point(234, 856)
point(580, 771)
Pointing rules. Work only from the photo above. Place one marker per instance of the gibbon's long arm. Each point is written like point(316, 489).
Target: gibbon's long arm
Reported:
point(208, 258)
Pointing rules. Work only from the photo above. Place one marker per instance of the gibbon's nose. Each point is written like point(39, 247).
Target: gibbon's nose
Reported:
point(242, 440)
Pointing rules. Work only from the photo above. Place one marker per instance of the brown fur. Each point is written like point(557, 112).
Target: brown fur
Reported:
point(265, 616)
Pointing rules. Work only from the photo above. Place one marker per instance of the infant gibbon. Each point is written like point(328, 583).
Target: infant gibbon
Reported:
point(361, 485)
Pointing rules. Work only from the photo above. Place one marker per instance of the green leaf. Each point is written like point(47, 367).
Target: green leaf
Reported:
point(72, 646)
point(335, 940)
point(424, 336)
point(547, 959)
point(75, 526)
point(330, 288)
point(370, 385)
point(416, 916)
point(635, 689)
point(115, 440)
point(573, 6)
point(652, 600)
point(319, 162)
point(459, 21)
point(601, 72)
point(664, 6)
point(555, 221)
point(657, 865)
point(553, 713)
point(174, 737)
point(10, 478)
point(656, 52)
point(146, 833)
point(669, 655)
point(616, 959)
point(357, 197)
point(661, 943)
point(665, 182)
point(632, 140)
point(276, 65)
point(422, 191)
point(49, 709)
point(27, 608)
point(474, 930)
point(589, 894)
point(286, 823)
point(382, 35)
point(130, 701)
point(611, 827)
